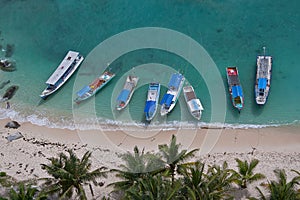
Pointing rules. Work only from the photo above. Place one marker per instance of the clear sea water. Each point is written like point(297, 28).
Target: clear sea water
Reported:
point(232, 32)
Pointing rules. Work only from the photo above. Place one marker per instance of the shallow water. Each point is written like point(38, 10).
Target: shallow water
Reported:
point(232, 33)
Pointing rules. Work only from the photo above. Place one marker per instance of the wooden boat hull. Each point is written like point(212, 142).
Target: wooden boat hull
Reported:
point(94, 87)
point(235, 88)
point(193, 103)
point(51, 88)
point(263, 79)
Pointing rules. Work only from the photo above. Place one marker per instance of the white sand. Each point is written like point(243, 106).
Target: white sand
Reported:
point(274, 147)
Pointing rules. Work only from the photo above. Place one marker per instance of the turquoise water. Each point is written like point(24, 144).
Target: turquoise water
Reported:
point(232, 32)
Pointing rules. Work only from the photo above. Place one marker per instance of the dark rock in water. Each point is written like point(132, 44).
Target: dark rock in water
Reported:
point(10, 92)
point(12, 124)
point(4, 83)
point(10, 48)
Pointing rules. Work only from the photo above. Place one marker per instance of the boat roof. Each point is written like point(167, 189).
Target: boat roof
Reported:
point(123, 96)
point(195, 105)
point(167, 99)
point(154, 86)
point(149, 106)
point(237, 91)
point(262, 83)
point(175, 80)
point(63, 67)
point(84, 90)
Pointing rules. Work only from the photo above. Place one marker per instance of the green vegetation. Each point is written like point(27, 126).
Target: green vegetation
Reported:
point(168, 174)
point(245, 173)
point(70, 173)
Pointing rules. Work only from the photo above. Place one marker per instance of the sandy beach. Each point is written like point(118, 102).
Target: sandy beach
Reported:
point(275, 147)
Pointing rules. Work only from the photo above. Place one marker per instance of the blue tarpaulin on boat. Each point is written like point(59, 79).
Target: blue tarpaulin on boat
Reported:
point(123, 96)
point(262, 83)
point(175, 80)
point(237, 91)
point(150, 106)
point(167, 99)
point(83, 90)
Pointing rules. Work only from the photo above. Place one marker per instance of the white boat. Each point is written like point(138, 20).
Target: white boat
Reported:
point(169, 100)
point(263, 78)
point(127, 92)
point(193, 103)
point(91, 89)
point(63, 72)
point(152, 101)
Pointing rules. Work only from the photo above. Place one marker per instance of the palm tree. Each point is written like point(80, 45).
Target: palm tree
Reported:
point(137, 165)
point(175, 158)
point(219, 179)
point(245, 172)
point(214, 184)
point(71, 173)
point(194, 181)
point(5, 180)
point(24, 192)
point(154, 188)
point(282, 189)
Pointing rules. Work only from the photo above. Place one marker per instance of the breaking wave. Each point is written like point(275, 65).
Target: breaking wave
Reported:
point(67, 122)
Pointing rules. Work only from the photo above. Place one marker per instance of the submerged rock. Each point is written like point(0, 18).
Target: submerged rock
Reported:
point(12, 124)
point(10, 92)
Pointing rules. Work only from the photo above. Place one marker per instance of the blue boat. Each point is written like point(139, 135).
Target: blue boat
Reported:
point(169, 100)
point(235, 88)
point(152, 101)
point(91, 89)
point(263, 78)
point(127, 92)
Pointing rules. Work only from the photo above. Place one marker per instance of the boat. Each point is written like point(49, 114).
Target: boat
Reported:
point(152, 101)
point(127, 92)
point(235, 88)
point(193, 103)
point(263, 78)
point(63, 72)
point(91, 89)
point(169, 100)
point(7, 65)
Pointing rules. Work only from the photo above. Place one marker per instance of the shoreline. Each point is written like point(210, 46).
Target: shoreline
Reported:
point(275, 147)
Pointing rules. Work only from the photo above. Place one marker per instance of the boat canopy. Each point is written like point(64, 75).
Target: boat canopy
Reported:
point(150, 106)
point(237, 91)
point(123, 96)
point(84, 90)
point(175, 80)
point(63, 67)
point(167, 99)
point(195, 105)
point(262, 83)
